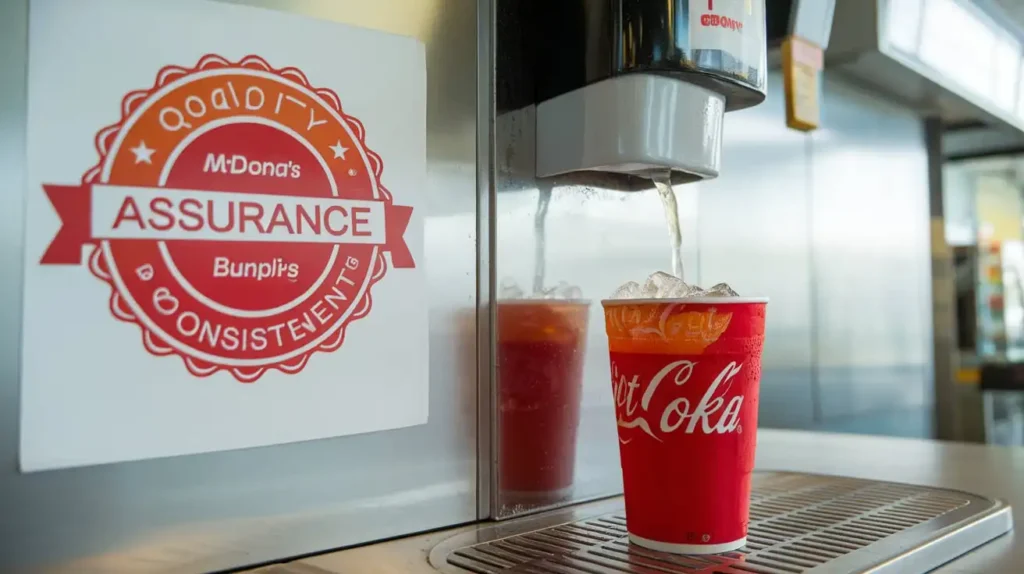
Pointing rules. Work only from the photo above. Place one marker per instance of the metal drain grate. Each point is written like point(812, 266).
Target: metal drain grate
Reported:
point(798, 523)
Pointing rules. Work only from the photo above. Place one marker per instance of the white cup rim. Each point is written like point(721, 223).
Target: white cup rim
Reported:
point(701, 300)
point(526, 301)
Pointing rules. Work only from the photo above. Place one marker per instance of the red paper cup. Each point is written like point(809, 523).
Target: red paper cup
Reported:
point(685, 374)
point(540, 377)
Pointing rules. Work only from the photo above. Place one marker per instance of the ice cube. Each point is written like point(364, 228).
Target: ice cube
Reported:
point(566, 291)
point(721, 290)
point(648, 290)
point(509, 289)
point(691, 291)
point(661, 285)
point(630, 290)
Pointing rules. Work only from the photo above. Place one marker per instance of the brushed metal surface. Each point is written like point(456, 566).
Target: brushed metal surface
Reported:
point(485, 272)
point(989, 471)
point(215, 511)
point(880, 44)
point(872, 254)
point(944, 292)
point(799, 523)
point(755, 234)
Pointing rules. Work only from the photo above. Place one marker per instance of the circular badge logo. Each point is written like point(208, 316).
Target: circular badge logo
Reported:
point(237, 215)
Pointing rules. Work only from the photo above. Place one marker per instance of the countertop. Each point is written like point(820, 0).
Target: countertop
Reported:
point(996, 472)
point(992, 471)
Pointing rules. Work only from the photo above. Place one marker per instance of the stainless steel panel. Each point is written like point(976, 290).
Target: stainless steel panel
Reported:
point(216, 511)
point(485, 341)
point(882, 44)
point(871, 263)
point(944, 293)
point(755, 226)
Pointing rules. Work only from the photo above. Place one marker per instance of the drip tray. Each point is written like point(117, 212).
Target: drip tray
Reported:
point(799, 523)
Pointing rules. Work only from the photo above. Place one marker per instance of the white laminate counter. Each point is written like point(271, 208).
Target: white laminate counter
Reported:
point(995, 472)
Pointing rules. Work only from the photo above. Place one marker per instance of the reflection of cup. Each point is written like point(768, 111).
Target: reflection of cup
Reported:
point(540, 375)
point(685, 374)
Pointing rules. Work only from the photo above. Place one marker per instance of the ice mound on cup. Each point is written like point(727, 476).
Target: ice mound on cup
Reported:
point(661, 285)
point(509, 289)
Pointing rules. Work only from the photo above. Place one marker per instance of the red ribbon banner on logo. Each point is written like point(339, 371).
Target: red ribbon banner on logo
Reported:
point(91, 213)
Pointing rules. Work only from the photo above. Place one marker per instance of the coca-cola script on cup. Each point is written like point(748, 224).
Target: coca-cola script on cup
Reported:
point(685, 375)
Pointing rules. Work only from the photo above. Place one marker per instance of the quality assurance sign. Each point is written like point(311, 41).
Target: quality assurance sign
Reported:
point(235, 257)
point(237, 216)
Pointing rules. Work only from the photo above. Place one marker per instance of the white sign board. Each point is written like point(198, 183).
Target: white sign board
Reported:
point(224, 243)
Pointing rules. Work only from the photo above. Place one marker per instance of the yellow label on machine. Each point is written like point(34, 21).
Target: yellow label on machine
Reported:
point(802, 62)
point(968, 376)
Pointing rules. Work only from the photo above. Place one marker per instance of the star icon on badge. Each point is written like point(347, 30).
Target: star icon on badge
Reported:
point(339, 150)
point(142, 153)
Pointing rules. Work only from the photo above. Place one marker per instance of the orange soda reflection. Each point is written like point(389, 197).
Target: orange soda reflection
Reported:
point(541, 346)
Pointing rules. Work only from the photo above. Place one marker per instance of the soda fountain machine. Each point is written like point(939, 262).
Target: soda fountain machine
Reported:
point(608, 96)
point(630, 89)
point(614, 96)
point(517, 468)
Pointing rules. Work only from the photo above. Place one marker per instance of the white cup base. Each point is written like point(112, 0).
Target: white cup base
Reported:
point(674, 548)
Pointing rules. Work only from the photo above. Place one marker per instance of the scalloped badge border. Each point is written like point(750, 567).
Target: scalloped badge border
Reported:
point(152, 342)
